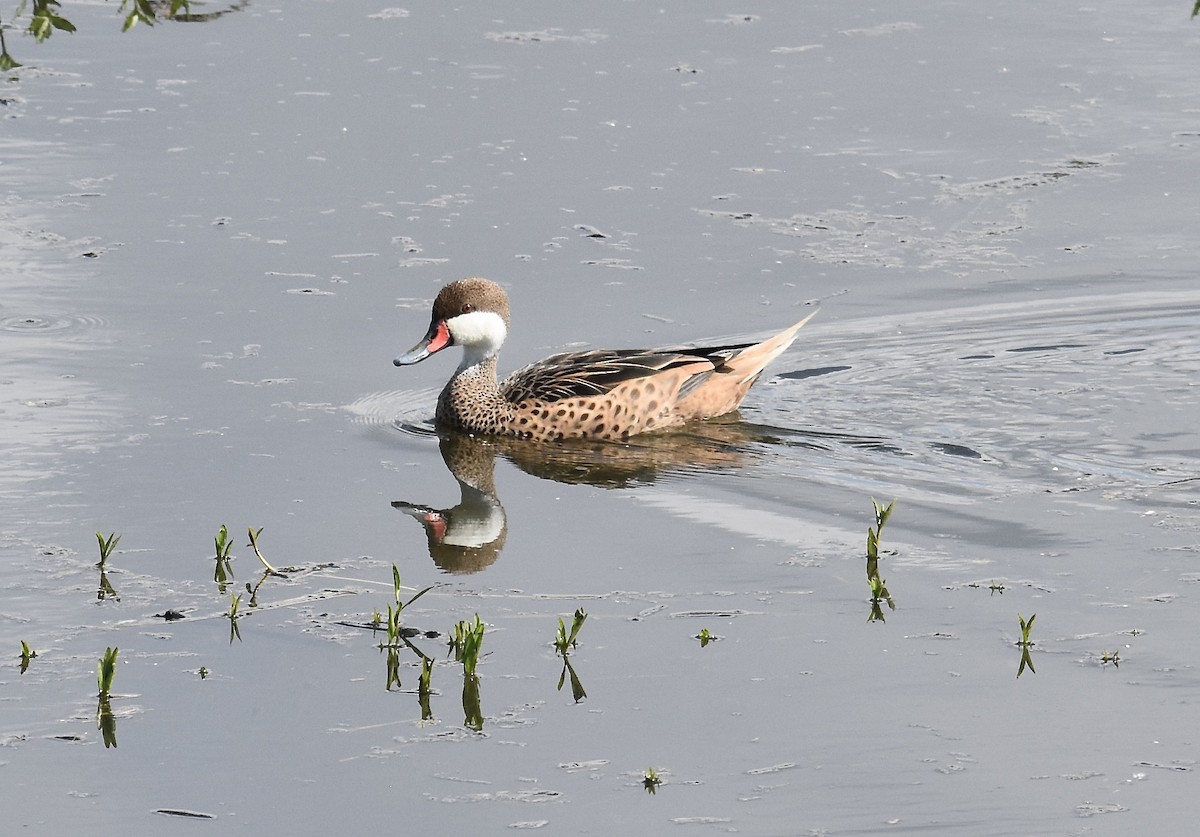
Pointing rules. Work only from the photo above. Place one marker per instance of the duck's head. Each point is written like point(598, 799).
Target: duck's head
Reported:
point(472, 313)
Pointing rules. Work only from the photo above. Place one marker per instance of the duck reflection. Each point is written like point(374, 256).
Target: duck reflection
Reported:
point(469, 536)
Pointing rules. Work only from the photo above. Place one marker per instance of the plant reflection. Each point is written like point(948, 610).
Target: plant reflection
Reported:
point(234, 631)
point(253, 591)
point(424, 687)
point(106, 722)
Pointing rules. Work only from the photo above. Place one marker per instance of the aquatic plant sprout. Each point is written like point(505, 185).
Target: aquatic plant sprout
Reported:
point(1025, 643)
point(107, 545)
point(254, 545)
point(106, 670)
point(564, 641)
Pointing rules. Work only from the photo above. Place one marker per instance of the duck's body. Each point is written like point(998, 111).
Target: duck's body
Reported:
point(601, 394)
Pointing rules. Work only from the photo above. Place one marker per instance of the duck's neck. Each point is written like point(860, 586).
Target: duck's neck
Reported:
point(472, 401)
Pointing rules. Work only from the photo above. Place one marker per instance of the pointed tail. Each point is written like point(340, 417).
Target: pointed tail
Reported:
point(749, 363)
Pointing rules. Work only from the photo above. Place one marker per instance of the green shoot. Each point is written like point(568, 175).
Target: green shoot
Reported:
point(879, 591)
point(1113, 657)
point(106, 670)
point(705, 637)
point(223, 543)
point(426, 675)
point(466, 642)
point(107, 545)
point(254, 545)
point(203, 672)
point(395, 610)
point(393, 624)
point(223, 572)
point(996, 587)
point(1026, 627)
point(564, 641)
point(879, 595)
point(651, 780)
point(1025, 643)
point(27, 654)
point(397, 587)
point(882, 513)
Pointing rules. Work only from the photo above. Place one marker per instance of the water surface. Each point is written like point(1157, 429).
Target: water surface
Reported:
point(217, 235)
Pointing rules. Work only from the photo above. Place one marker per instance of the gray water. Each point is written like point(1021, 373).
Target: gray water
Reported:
point(216, 235)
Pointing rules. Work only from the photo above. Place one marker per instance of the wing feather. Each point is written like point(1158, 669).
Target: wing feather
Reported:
point(593, 373)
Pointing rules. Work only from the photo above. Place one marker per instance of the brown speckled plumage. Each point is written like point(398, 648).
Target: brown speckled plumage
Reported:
point(601, 394)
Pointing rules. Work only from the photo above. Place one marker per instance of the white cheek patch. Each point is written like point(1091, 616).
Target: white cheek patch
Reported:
point(482, 331)
point(480, 335)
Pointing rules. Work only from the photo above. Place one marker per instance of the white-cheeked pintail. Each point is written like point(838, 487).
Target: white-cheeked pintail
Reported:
point(599, 394)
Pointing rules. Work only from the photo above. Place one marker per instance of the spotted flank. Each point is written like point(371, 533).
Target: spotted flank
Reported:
point(600, 394)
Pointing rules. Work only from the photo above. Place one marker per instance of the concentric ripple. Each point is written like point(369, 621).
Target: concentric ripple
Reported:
point(41, 324)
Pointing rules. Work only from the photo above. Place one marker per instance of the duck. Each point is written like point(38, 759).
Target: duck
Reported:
point(599, 394)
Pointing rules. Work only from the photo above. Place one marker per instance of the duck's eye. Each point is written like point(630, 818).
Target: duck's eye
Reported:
point(467, 308)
